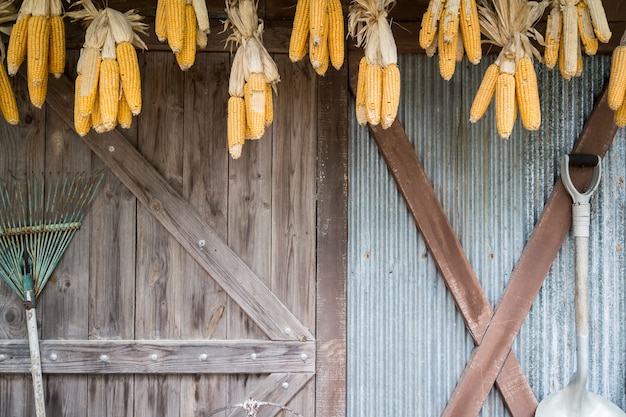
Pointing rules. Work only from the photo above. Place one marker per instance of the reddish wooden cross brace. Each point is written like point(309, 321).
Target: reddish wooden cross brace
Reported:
point(492, 360)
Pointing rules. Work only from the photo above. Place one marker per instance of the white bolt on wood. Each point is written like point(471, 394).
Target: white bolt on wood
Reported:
point(253, 356)
point(111, 148)
point(53, 357)
point(154, 357)
point(3, 358)
point(285, 385)
point(203, 357)
point(304, 357)
point(104, 358)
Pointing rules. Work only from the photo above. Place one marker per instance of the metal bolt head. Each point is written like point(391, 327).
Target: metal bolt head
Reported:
point(287, 330)
point(104, 358)
point(253, 356)
point(304, 357)
point(3, 358)
point(203, 357)
point(201, 243)
point(154, 357)
point(285, 385)
point(54, 357)
point(111, 148)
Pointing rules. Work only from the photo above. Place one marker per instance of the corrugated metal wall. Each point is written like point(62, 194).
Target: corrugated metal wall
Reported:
point(407, 342)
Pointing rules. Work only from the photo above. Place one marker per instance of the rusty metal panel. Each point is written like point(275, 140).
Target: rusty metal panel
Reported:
point(407, 342)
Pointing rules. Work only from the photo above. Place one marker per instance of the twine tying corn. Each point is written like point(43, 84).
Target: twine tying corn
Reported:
point(253, 77)
point(378, 87)
point(108, 85)
point(184, 24)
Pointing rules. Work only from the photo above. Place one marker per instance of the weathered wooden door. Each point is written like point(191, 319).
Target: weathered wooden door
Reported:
point(196, 281)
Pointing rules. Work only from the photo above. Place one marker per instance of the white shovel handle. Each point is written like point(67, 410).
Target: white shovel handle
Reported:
point(35, 362)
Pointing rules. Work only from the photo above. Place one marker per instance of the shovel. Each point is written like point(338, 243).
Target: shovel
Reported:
point(574, 400)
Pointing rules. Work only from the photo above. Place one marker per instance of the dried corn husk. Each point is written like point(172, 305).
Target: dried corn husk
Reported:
point(368, 24)
point(509, 24)
point(253, 72)
point(105, 30)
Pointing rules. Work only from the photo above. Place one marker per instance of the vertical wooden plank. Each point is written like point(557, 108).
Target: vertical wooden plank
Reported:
point(159, 257)
point(64, 301)
point(332, 242)
point(205, 184)
point(22, 152)
point(293, 200)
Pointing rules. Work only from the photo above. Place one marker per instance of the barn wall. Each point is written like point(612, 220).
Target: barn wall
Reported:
point(407, 341)
point(124, 277)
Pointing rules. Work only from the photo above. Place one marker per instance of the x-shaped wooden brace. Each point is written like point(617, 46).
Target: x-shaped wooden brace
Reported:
point(492, 360)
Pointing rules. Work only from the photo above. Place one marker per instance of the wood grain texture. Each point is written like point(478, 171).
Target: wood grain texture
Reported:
point(172, 356)
point(332, 242)
point(185, 224)
point(528, 276)
point(448, 254)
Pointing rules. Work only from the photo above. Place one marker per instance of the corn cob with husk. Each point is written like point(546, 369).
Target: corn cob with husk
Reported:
point(511, 79)
point(452, 28)
point(570, 24)
point(108, 85)
point(378, 86)
point(617, 83)
point(185, 26)
point(318, 28)
point(253, 77)
point(8, 104)
point(39, 37)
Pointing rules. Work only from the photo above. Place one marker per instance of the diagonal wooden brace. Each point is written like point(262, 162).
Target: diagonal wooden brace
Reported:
point(447, 252)
point(490, 356)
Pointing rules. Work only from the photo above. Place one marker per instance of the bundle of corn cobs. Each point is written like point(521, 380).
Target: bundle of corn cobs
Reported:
point(451, 27)
point(512, 78)
point(617, 83)
point(571, 22)
point(39, 36)
point(318, 28)
point(378, 87)
point(253, 76)
point(185, 25)
point(108, 84)
point(8, 104)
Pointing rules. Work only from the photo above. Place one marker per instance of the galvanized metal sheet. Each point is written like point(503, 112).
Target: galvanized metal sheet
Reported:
point(407, 342)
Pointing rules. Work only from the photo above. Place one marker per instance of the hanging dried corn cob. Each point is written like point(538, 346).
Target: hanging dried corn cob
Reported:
point(617, 83)
point(378, 87)
point(451, 27)
point(108, 85)
point(185, 25)
point(512, 78)
point(571, 22)
point(318, 27)
point(38, 36)
point(253, 76)
point(8, 104)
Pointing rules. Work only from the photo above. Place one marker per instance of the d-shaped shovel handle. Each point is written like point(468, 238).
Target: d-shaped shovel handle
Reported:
point(581, 160)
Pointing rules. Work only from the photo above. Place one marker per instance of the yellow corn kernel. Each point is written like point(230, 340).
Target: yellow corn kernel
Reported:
point(319, 58)
point(254, 95)
point(236, 125)
point(373, 93)
point(485, 93)
point(160, 20)
point(56, 55)
point(447, 57)
point(124, 115)
point(175, 15)
point(449, 22)
point(428, 26)
point(505, 104)
point(8, 104)
point(470, 31)
point(87, 98)
point(553, 38)
point(82, 124)
point(336, 38)
point(361, 109)
point(37, 49)
point(187, 56)
point(598, 17)
point(298, 44)
point(109, 93)
point(37, 92)
point(318, 21)
point(130, 75)
point(620, 115)
point(390, 95)
point(96, 117)
point(16, 51)
point(585, 29)
point(269, 105)
point(527, 93)
point(617, 79)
